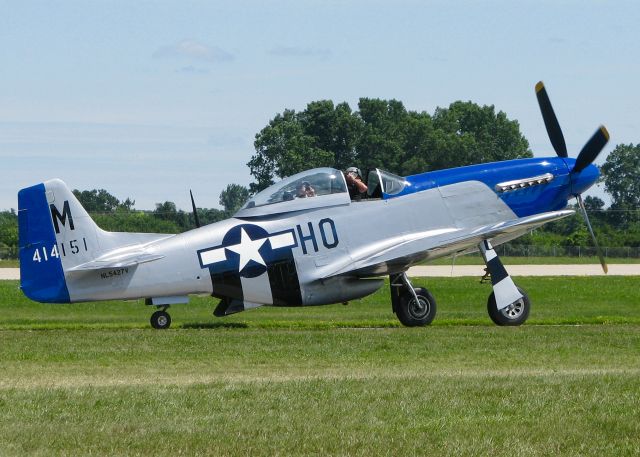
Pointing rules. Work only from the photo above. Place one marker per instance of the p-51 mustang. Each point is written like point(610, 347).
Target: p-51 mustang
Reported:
point(282, 250)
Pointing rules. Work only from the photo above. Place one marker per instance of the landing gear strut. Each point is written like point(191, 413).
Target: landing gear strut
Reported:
point(415, 307)
point(161, 319)
point(508, 304)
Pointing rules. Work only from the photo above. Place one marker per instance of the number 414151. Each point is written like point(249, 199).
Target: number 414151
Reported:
point(43, 254)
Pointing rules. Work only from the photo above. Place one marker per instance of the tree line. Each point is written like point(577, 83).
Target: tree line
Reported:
point(382, 134)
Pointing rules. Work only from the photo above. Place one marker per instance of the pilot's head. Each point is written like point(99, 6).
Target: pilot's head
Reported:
point(303, 189)
point(354, 172)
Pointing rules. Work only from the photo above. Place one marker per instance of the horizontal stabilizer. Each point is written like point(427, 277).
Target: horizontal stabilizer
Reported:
point(128, 260)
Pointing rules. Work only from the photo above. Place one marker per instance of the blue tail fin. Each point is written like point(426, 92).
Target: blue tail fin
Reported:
point(41, 273)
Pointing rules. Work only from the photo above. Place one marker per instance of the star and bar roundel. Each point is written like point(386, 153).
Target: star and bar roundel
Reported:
point(248, 249)
point(253, 265)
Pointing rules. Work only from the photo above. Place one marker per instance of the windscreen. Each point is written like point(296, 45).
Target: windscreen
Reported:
point(308, 184)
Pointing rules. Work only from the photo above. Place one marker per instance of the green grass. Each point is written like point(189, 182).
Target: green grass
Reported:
point(337, 380)
point(9, 263)
point(443, 391)
point(461, 301)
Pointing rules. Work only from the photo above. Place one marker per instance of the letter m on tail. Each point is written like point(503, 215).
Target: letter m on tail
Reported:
point(56, 216)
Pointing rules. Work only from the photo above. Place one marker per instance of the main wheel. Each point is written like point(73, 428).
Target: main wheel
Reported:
point(414, 314)
point(514, 314)
point(160, 320)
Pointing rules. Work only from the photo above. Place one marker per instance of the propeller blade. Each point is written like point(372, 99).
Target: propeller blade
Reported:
point(195, 211)
point(591, 150)
point(593, 236)
point(551, 121)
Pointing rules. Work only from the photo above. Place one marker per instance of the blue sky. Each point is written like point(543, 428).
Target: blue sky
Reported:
point(150, 99)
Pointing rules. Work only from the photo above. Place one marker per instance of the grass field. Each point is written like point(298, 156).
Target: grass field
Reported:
point(9, 263)
point(335, 380)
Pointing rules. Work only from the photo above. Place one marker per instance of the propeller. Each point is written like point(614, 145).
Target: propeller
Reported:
point(195, 211)
point(591, 149)
point(587, 154)
point(593, 235)
point(551, 121)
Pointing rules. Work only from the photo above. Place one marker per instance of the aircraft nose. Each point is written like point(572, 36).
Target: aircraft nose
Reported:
point(584, 179)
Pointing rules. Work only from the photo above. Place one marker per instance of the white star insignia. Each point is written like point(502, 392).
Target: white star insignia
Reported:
point(248, 250)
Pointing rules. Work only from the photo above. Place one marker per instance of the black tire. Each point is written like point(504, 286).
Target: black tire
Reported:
point(160, 320)
point(413, 315)
point(514, 314)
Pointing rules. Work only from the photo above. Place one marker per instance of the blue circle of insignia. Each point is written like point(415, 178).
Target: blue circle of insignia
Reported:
point(253, 267)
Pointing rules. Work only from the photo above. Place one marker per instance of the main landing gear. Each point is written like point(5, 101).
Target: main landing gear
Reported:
point(514, 314)
point(415, 307)
point(508, 304)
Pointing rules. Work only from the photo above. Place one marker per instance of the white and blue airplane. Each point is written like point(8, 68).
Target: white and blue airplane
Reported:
point(281, 250)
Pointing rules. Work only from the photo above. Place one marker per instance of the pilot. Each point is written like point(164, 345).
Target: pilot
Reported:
point(305, 190)
point(357, 188)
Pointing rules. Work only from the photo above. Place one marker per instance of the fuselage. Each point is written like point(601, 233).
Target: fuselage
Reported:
point(288, 252)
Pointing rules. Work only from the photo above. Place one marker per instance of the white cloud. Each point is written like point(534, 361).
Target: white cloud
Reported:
point(195, 51)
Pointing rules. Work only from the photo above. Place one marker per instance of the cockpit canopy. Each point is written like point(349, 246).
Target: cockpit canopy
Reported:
point(318, 188)
point(310, 189)
point(382, 184)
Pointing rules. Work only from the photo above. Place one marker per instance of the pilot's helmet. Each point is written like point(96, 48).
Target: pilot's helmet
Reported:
point(354, 170)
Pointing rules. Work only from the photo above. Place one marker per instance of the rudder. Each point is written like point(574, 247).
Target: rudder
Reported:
point(55, 233)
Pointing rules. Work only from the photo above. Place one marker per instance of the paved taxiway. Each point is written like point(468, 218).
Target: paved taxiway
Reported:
point(527, 270)
point(632, 269)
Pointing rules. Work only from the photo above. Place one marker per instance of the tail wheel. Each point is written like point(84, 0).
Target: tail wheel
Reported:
point(514, 314)
point(160, 320)
point(416, 314)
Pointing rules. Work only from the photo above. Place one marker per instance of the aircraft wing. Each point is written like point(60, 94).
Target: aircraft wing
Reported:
point(397, 254)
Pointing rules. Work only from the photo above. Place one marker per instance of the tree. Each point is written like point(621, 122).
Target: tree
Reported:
point(621, 176)
point(208, 216)
point(101, 201)
point(135, 221)
point(8, 233)
point(233, 197)
point(334, 130)
point(484, 135)
point(595, 210)
point(593, 203)
point(168, 211)
point(382, 141)
point(283, 149)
